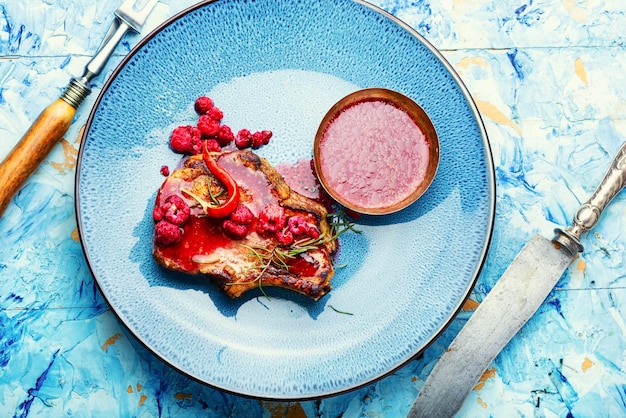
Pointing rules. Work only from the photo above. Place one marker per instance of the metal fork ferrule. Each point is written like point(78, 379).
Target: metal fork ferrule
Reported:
point(75, 93)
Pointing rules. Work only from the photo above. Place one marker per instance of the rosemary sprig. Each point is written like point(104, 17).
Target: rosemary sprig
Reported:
point(205, 205)
point(265, 264)
point(267, 257)
point(341, 223)
point(197, 198)
point(279, 256)
point(338, 311)
point(215, 196)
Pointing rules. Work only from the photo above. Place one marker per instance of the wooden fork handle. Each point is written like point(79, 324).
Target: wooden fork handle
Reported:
point(33, 148)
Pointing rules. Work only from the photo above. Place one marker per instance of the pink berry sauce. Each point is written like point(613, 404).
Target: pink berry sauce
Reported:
point(373, 154)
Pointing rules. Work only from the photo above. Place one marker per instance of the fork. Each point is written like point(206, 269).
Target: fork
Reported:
point(55, 120)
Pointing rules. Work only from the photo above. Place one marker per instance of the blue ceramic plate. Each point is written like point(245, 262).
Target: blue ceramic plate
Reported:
point(280, 65)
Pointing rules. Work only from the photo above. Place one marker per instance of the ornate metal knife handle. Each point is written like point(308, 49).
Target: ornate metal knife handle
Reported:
point(588, 213)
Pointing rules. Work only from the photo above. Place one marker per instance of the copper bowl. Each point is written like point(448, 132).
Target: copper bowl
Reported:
point(416, 114)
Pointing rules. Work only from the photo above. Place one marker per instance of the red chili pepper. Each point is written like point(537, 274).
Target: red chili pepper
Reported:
point(231, 185)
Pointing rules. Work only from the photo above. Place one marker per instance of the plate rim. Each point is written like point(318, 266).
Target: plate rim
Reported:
point(491, 183)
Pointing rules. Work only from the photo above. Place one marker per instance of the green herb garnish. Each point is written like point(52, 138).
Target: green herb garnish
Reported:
point(279, 256)
point(338, 311)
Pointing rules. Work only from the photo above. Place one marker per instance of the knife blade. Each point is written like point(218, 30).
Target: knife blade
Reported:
point(513, 300)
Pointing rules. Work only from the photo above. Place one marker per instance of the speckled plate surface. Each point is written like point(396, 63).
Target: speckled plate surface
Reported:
point(280, 65)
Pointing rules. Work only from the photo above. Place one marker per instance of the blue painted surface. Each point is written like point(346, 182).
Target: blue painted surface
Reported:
point(552, 132)
point(397, 307)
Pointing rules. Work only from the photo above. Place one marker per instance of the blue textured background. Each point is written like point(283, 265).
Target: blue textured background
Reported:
point(548, 79)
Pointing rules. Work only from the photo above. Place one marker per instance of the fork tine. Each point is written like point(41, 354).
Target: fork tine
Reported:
point(135, 18)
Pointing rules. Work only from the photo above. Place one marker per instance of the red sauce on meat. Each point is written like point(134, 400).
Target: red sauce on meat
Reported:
point(301, 178)
point(252, 182)
point(302, 267)
point(202, 236)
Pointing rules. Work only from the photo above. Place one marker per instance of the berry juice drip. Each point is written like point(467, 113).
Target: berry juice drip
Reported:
point(301, 178)
point(202, 236)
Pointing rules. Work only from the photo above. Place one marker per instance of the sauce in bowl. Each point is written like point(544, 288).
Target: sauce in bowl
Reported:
point(376, 151)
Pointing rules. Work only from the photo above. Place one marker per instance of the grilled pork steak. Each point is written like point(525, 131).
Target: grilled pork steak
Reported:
point(283, 240)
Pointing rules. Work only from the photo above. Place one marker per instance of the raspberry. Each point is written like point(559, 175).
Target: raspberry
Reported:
point(234, 230)
point(208, 126)
point(158, 213)
point(215, 113)
point(176, 210)
point(196, 146)
point(182, 139)
point(225, 136)
point(167, 233)
point(239, 221)
point(257, 140)
point(298, 226)
point(165, 170)
point(272, 218)
point(203, 104)
point(243, 139)
point(284, 237)
point(242, 215)
point(313, 231)
point(212, 145)
point(266, 136)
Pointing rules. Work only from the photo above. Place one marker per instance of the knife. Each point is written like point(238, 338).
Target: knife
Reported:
point(55, 120)
point(513, 300)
